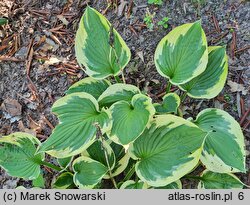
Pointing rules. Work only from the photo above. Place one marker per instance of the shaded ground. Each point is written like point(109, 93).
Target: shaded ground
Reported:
point(37, 61)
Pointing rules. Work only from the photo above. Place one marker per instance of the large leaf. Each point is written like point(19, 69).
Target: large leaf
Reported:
point(182, 54)
point(170, 104)
point(17, 155)
point(129, 120)
point(223, 150)
point(212, 180)
point(78, 113)
point(167, 150)
point(209, 83)
point(99, 48)
point(64, 181)
point(117, 92)
point(88, 172)
point(89, 85)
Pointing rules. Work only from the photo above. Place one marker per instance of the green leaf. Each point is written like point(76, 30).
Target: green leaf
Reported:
point(117, 92)
point(182, 54)
point(100, 49)
point(18, 155)
point(170, 104)
point(209, 83)
point(167, 150)
point(78, 113)
point(88, 172)
point(174, 185)
point(96, 152)
point(223, 150)
point(212, 180)
point(89, 85)
point(129, 120)
point(131, 184)
point(39, 181)
point(64, 162)
point(3, 21)
point(64, 181)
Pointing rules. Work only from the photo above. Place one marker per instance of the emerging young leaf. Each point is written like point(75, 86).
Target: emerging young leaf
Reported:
point(97, 153)
point(182, 54)
point(17, 155)
point(131, 184)
point(117, 92)
point(129, 120)
point(88, 172)
point(209, 83)
point(174, 185)
point(170, 104)
point(64, 181)
point(167, 150)
point(212, 180)
point(223, 151)
point(99, 47)
point(89, 85)
point(78, 113)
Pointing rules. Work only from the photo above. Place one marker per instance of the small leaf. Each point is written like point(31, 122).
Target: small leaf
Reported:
point(223, 151)
point(3, 21)
point(18, 155)
point(117, 92)
point(212, 180)
point(77, 112)
point(182, 54)
point(39, 182)
point(167, 150)
point(209, 83)
point(99, 47)
point(64, 181)
point(129, 120)
point(131, 184)
point(174, 185)
point(88, 172)
point(89, 85)
point(64, 162)
point(170, 104)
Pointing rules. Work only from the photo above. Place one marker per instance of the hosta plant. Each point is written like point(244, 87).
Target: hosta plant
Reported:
point(115, 132)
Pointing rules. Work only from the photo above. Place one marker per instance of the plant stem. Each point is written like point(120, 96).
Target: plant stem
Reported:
point(193, 177)
point(183, 96)
point(52, 166)
point(130, 173)
point(117, 79)
point(123, 78)
point(179, 112)
point(168, 87)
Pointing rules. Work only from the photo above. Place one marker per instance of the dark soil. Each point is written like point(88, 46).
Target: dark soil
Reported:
point(41, 32)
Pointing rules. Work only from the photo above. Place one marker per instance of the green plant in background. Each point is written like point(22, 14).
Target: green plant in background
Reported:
point(114, 131)
point(164, 22)
point(156, 2)
point(149, 20)
point(3, 21)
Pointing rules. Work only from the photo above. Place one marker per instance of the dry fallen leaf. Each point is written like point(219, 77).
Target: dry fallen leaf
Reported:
point(12, 107)
point(235, 87)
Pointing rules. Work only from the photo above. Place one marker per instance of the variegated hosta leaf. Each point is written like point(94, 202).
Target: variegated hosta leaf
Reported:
point(18, 155)
point(129, 120)
point(170, 104)
point(88, 172)
point(212, 180)
point(122, 159)
point(96, 152)
point(64, 181)
point(99, 47)
point(39, 181)
point(78, 114)
point(223, 150)
point(209, 83)
point(167, 150)
point(117, 92)
point(89, 85)
point(174, 185)
point(131, 184)
point(64, 162)
point(182, 54)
